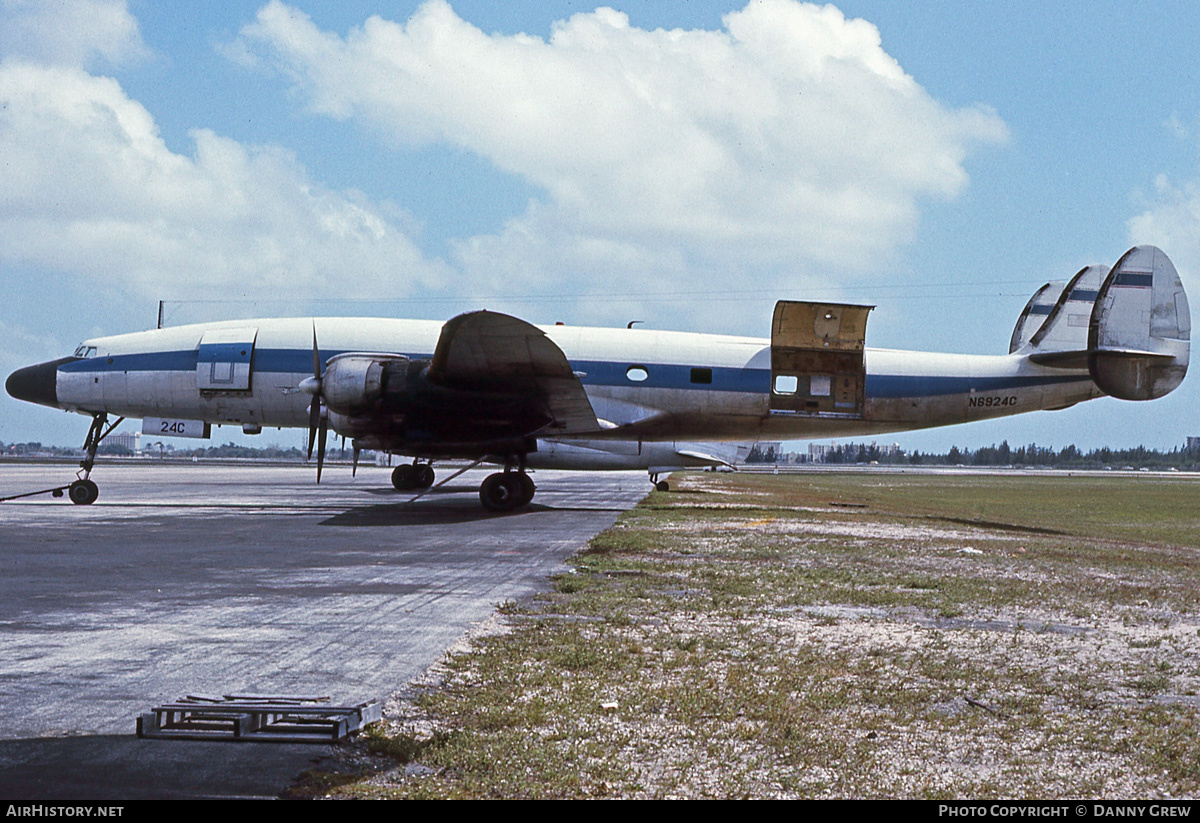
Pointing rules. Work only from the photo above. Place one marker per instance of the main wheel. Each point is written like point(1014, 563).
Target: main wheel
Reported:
point(502, 492)
point(662, 486)
point(404, 477)
point(424, 476)
point(83, 492)
point(527, 489)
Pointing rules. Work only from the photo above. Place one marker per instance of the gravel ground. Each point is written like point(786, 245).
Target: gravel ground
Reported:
point(731, 640)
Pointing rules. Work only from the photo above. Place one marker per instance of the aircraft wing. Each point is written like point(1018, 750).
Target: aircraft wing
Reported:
point(493, 353)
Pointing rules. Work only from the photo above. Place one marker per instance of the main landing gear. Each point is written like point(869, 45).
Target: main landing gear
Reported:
point(415, 476)
point(659, 485)
point(506, 490)
point(500, 492)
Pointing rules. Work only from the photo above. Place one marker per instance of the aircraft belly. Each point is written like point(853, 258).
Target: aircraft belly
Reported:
point(669, 414)
point(598, 455)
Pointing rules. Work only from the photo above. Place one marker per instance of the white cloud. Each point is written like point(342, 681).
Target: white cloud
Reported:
point(1172, 223)
point(88, 187)
point(70, 32)
point(789, 138)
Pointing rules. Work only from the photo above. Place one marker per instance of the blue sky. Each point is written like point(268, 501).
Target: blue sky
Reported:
point(682, 163)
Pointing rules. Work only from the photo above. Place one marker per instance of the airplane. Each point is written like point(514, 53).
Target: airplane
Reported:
point(489, 387)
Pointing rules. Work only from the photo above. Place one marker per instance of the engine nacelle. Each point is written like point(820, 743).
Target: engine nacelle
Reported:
point(358, 383)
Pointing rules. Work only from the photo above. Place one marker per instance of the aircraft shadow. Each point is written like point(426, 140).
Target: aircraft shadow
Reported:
point(425, 512)
point(421, 513)
point(125, 767)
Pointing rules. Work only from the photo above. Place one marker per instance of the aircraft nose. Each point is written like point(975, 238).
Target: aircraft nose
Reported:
point(36, 384)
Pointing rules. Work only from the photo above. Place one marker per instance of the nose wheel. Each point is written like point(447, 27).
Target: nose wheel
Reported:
point(83, 492)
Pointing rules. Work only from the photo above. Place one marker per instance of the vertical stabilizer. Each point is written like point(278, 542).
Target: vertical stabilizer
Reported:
point(1140, 328)
point(1034, 316)
point(1066, 327)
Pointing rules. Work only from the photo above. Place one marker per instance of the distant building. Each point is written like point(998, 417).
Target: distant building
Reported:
point(129, 440)
point(820, 454)
point(817, 453)
point(765, 451)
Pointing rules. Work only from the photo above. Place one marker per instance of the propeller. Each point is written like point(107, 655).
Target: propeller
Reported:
point(317, 422)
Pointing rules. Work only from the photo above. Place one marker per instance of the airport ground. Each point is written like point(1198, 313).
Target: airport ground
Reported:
point(878, 633)
point(865, 634)
point(186, 579)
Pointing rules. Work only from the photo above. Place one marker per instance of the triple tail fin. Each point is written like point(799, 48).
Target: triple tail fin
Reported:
point(1129, 327)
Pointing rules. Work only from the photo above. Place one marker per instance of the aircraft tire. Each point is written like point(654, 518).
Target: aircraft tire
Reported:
point(502, 492)
point(527, 489)
point(424, 476)
point(83, 492)
point(662, 486)
point(404, 478)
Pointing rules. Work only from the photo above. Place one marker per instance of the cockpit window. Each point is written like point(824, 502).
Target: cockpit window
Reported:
point(85, 350)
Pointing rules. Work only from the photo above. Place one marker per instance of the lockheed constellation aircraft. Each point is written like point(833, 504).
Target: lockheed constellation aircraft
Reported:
point(485, 386)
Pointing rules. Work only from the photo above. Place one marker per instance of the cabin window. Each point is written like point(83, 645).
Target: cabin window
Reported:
point(702, 376)
point(820, 385)
point(786, 384)
point(637, 373)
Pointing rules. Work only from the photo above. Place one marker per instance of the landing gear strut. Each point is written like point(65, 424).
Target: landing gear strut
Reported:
point(659, 485)
point(84, 491)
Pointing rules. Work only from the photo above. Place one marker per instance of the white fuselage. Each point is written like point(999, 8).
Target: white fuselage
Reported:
point(645, 386)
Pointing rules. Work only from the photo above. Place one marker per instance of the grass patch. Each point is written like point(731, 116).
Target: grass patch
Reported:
point(942, 637)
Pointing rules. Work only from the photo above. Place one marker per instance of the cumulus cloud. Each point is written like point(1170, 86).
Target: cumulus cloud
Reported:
point(70, 32)
point(87, 186)
point(1172, 222)
point(788, 138)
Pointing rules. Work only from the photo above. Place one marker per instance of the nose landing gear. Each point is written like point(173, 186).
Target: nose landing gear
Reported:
point(83, 492)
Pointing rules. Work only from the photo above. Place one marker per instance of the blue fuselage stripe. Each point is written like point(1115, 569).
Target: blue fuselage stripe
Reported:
point(602, 373)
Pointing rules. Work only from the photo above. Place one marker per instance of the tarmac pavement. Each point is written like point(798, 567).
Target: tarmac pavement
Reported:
point(249, 579)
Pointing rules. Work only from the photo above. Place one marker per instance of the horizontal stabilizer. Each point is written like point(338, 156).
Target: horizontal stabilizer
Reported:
point(1140, 328)
point(1077, 359)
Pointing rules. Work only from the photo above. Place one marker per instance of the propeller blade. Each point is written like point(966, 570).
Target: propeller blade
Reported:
point(314, 420)
point(354, 469)
point(316, 354)
point(324, 433)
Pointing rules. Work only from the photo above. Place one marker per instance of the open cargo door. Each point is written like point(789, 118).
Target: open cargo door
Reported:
point(817, 363)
